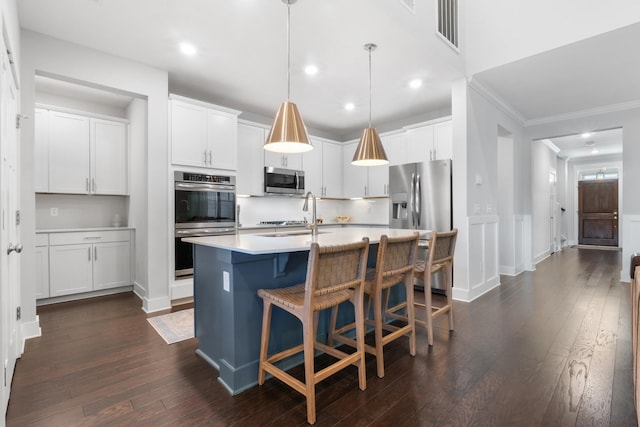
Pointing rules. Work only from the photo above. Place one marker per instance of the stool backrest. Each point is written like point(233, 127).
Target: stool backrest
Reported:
point(396, 255)
point(335, 268)
point(442, 245)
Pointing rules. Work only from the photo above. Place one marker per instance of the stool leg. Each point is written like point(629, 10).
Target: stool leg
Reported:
point(359, 315)
point(449, 278)
point(309, 374)
point(377, 318)
point(332, 325)
point(264, 341)
point(428, 303)
point(410, 310)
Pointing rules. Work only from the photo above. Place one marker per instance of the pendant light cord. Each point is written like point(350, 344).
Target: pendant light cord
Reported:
point(288, 51)
point(370, 86)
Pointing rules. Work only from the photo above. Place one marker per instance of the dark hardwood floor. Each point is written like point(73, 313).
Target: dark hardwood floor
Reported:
point(547, 348)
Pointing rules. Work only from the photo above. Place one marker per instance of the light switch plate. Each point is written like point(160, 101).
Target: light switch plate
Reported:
point(54, 211)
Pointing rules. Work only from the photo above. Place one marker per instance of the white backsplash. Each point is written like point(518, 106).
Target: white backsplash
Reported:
point(79, 211)
point(256, 209)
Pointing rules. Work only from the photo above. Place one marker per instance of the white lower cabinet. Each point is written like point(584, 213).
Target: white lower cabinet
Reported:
point(88, 261)
point(42, 266)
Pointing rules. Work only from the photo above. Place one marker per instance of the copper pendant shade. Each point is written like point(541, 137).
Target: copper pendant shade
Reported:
point(370, 151)
point(288, 133)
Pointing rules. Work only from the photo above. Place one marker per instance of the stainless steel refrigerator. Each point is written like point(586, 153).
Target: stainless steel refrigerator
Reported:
point(420, 199)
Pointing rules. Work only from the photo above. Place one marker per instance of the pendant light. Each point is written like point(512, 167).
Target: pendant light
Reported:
point(288, 133)
point(370, 151)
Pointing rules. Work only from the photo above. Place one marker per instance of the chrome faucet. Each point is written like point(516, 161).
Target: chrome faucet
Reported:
point(305, 207)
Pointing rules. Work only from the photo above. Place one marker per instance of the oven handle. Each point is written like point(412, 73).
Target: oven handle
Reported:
point(205, 187)
point(202, 232)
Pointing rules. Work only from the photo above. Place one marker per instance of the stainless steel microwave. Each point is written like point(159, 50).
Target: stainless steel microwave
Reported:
point(283, 181)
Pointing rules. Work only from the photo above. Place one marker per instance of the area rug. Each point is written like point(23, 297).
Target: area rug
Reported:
point(174, 327)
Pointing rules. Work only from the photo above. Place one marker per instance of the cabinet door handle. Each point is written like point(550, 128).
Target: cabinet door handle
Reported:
point(210, 156)
point(95, 253)
point(89, 253)
point(93, 184)
point(87, 184)
point(204, 153)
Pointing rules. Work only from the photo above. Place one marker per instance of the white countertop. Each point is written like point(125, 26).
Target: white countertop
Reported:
point(263, 243)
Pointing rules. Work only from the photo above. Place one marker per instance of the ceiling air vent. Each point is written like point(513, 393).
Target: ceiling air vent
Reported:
point(448, 20)
point(410, 4)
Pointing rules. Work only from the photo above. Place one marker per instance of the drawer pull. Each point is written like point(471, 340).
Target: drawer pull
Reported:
point(93, 237)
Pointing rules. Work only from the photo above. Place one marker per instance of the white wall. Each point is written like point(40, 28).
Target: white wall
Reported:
point(79, 210)
point(629, 120)
point(57, 58)
point(138, 205)
point(476, 121)
point(543, 161)
point(500, 31)
point(80, 105)
point(506, 166)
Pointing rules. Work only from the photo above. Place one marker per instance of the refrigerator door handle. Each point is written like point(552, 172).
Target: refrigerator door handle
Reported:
point(418, 200)
point(412, 201)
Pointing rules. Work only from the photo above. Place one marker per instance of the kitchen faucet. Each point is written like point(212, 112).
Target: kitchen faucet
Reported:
point(305, 207)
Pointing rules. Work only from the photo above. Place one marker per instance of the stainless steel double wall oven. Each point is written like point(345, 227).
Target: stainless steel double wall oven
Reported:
point(205, 205)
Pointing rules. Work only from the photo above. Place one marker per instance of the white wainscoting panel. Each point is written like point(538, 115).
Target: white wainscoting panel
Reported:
point(631, 243)
point(483, 255)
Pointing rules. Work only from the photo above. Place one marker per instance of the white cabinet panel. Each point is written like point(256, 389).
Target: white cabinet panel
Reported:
point(378, 181)
point(41, 149)
point(69, 168)
point(250, 177)
point(70, 269)
point(419, 144)
point(395, 146)
point(188, 134)
point(443, 140)
point(108, 157)
point(312, 162)
point(203, 136)
point(42, 272)
point(283, 160)
point(222, 140)
point(111, 265)
point(332, 170)
point(355, 177)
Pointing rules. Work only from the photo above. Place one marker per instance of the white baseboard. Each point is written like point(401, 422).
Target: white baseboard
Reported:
point(30, 330)
point(151, 305)
point(508, 270)
point(139, 290)
point(541, 257)
point(75, 297)
point(182, 289)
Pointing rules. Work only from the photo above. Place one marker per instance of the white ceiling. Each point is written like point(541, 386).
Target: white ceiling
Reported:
point(577, 146)
point(593, 73)
point(242, 58)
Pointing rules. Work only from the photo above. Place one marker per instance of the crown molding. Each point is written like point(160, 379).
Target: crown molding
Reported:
point(553, 147)
point(584, 113)
point(496, 100)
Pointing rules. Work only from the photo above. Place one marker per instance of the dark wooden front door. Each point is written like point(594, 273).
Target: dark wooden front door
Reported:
point(598, 212)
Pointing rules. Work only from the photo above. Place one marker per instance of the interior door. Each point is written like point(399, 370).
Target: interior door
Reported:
point(598, 212)
point(9, 228)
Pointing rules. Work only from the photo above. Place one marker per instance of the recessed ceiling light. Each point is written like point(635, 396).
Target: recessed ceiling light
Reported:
point(311, 70)
point(594, 151)
point(415, 83)
point(349, 106)
point(586, 135)
point(188, 49)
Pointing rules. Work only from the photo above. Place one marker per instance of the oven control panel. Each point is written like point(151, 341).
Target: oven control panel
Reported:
point(199, 177)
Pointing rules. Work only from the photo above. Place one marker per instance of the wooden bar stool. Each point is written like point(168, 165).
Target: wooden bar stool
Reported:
point(335, 274)
point(439, 258)
point(394, 266)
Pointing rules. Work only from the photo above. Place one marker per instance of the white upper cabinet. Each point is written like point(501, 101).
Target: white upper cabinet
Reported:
point(41, 148)
point(77, 154)
point(282, 160)
point(355, 181)
point(323, 168)
point(312, 162)
point(429, 142)
point(332, 170)
point(108, 157)
point(395, 145)
point(443, 140)
point(203, 135)
point(69, 151)
point(250, 178)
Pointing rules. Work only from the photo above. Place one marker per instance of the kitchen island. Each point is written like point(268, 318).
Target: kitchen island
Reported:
point(229, 270)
